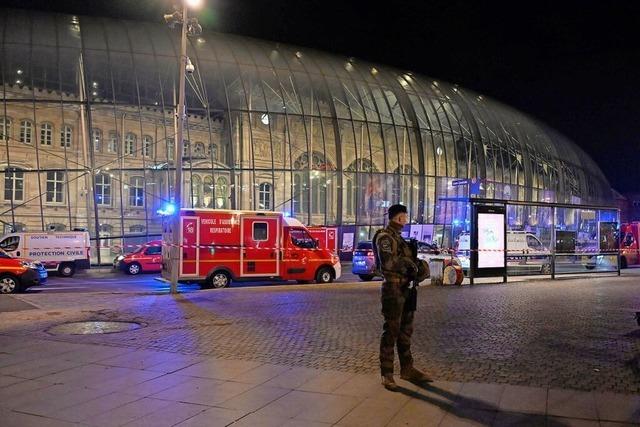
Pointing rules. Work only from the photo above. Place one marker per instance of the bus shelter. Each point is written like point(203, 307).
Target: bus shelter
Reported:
point(502, 238)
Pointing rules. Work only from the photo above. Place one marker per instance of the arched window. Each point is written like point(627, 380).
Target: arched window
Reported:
point(264, 196)
point(5, 129)
point(55, 186)
point(136, 191)
point(222, 190)
point(198, 150)
point(196, 191)
point(112, 147)
point(56, 226)
point(96, 139)
point(103, 189)
point(66, 135)
point(213, 152)
point(208, 192)
point(147, 142)
point(14, 184)
point(46, 134)
point(16, 227)
point(26, 131)
point(130, 144)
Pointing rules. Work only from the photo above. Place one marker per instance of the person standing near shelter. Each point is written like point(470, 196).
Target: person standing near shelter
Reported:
point(396, 262)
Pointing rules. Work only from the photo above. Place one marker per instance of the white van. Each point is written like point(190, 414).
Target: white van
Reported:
point(61, 251)
point(525, 253)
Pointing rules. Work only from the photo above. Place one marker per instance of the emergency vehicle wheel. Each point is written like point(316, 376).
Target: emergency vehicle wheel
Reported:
point(366, 277)
point(324, 275)
point(219, 279)
point(134, 268)
point(546, 269)
point(66, 269)
point(9, 285)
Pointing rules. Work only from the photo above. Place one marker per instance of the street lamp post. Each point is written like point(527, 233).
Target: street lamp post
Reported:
point(187, 26)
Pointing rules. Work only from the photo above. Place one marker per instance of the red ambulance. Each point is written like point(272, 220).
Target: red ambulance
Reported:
point(629, 244)
point(220, 246)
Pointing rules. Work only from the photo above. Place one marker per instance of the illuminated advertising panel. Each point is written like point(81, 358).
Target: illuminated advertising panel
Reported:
point(491, 240)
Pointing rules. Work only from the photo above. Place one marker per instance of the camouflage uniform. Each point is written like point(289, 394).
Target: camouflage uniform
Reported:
point(398, 268)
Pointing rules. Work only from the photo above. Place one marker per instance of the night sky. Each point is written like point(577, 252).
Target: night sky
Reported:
point(574, 65)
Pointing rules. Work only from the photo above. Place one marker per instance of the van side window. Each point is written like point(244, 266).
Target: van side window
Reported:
point(533, 243)
point(260, 232)
point(10, 244)
point(302, 239)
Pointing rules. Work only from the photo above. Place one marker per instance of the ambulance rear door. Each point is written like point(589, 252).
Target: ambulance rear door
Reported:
point(189, 253)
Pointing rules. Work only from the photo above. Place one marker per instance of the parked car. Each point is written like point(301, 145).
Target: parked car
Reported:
point(364, 263)
point(16, 275)
point(146, 259)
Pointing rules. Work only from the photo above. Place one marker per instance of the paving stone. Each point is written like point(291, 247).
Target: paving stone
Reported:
point(571, 422)
point(618, 407)
point(571, 403)
point(510, 419)
point(214, 417)
point(462, 416)
point(523, 399)
point(170, 415)
point(254, 398)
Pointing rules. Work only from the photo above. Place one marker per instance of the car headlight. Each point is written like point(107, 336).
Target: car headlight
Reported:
point(119, 257)
point(28, 264)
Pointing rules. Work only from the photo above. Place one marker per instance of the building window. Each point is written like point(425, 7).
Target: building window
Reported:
point(104, 232)
point(147, 142)
point(46, 134)
point(96, 138)
point(65, 136)
point(136, 191)
point(264, 196)
point(129, 144)
point(171, 148)
point(103, 189)
point(213, 152)
point(208, 191)
point(14, 185)
point(26, 132)
point(196, 191)
point(136, 229)
point(350, 196)
point(112, 147)
point(221, 193)
point(5, 129)
point(55, 187)
point(296, 200)
point(198, 150)
point(186, 149)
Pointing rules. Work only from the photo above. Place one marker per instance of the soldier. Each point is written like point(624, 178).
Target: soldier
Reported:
point(399, 268)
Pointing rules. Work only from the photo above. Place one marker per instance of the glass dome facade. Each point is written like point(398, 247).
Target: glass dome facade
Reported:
point(87, 133)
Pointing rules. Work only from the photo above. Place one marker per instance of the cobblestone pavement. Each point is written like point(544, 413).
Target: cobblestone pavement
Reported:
point(578, 333)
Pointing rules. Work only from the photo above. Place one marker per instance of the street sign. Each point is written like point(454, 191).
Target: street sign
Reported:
point(459, 182)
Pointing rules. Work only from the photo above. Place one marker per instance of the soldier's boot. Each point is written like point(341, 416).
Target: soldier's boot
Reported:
point(389, 383)
point(414, 375)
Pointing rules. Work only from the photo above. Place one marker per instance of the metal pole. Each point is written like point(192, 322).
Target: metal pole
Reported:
point(180, 112)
